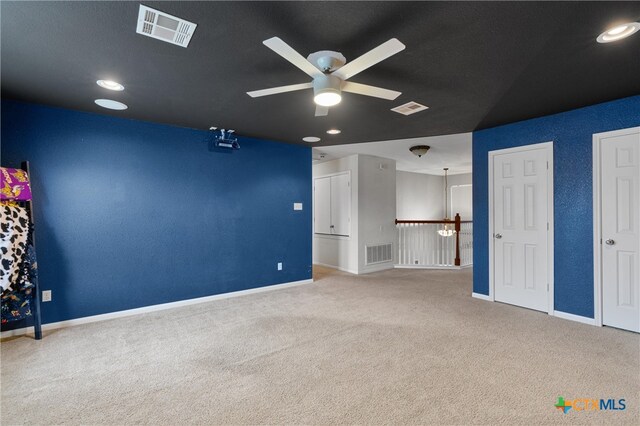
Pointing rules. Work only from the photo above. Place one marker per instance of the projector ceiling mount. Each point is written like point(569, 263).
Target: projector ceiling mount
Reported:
point(329, 71)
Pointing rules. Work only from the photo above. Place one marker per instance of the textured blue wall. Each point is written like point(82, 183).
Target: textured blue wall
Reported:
point(571, 133)
point(131, 214)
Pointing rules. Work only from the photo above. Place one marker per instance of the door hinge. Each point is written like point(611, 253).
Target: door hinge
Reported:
point(547, 286)
point(547, 165)
point(547, 226)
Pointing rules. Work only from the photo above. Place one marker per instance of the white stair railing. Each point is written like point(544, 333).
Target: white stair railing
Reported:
point(434, 243)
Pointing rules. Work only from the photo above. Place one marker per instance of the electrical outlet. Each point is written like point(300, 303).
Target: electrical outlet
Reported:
point(279, 266)
point(46, 295)
point(297, 206)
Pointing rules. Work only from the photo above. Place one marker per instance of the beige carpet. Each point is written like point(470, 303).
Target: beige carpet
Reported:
point(396, 347)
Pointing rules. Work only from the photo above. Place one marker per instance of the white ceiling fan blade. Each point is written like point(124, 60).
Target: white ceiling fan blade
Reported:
point(281, 89)
point(370, 58)
point(365, 89)
point(321, 111)
point(287, 52)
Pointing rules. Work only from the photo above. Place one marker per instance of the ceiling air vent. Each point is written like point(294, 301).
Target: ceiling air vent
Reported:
point(409, 108)
point(162, 26)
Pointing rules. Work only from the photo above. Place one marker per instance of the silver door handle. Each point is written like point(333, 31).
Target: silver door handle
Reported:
point(498, 236)
point(610, 242)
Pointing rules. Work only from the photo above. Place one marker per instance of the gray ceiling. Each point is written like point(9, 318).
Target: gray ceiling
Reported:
point(475, 64)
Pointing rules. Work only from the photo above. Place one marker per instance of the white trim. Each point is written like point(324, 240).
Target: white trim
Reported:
point(572, 317)
point(597, 217)
point(376, 267)
point(443, 267)
point(152, 308)
point(481, 296)
point(339, 268)
point(548, 146)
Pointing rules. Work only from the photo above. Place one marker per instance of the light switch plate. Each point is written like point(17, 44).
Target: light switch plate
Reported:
point(279, 266)
point(46, 295)
point(297, 206)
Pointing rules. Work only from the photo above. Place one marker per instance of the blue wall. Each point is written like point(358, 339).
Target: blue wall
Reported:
point(131, 213)
point(571, 133)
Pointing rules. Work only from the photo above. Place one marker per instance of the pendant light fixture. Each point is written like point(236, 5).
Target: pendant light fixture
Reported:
point(447, 231)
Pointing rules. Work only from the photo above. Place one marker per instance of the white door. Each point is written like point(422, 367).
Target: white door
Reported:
point(340, 204)
point(521, 255)
point(620, 218)
point(322, 205)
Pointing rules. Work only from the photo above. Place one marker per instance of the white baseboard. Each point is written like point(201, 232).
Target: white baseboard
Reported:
point(367, 269)
point(481, 296)
point(443, 267)
point(152, 308)
point(339, 268)
point(572, 317)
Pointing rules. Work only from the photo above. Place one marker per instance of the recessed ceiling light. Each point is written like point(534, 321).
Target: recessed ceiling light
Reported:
point(110, 104)
point(311, 139)
point(334, 131)
point(111, 85)
point(619, 32)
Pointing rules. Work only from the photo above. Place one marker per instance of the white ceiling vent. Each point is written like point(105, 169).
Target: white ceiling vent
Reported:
point(162, 26)
point(409, 108)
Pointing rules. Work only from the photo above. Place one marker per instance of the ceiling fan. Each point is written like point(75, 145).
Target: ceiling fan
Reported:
point(331, 72)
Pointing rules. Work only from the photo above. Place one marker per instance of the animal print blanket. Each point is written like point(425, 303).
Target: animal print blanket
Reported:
point(14, 228)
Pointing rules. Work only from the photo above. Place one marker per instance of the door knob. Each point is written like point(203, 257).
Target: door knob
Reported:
point(498, 236)
point(610, 242)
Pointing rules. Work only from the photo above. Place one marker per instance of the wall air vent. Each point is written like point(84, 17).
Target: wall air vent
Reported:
point(409, 108)
point(162, 26)
point(379, 254)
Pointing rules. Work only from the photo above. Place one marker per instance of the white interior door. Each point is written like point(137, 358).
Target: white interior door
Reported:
point(322, 205)
point(341, 204)
point(521, 256)
point(620, 216)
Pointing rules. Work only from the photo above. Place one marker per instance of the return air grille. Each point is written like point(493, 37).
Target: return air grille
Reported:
point(409, 108)
point(380, 253)
point(161, 26)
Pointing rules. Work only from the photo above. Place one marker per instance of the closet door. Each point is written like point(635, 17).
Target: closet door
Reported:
point(341, 204)
point(322, 205)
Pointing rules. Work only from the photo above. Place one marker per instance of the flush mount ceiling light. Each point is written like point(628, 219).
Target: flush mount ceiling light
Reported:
point(311, 139)
point(334, 131)
point(111, 104)
point(619, 32)
point(419, 150)
point(111, 85)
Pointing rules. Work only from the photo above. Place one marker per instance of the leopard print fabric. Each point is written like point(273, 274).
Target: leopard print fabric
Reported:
point(14, 228)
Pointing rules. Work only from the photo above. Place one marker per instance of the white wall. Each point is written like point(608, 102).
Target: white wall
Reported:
point(333, 250)
point(373, 213)
point(460, 196)
point(419, 196)
point(377, 204)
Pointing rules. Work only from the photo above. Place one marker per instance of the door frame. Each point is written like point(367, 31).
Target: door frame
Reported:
point(597, 217)
point(550, 239)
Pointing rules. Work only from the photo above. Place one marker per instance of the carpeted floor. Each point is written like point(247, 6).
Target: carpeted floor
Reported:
point(396, 347)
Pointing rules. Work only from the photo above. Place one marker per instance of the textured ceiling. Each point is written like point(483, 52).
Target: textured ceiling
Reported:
point(475, 64)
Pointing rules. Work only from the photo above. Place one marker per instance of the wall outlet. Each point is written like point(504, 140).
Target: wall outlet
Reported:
point(46, 295)
point(297, 206)
point(279, 266)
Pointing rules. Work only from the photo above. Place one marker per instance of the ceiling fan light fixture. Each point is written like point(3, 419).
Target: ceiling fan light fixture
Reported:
point(326, 90)
point(619, 32)
point(328, 98)
point(419, 150)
